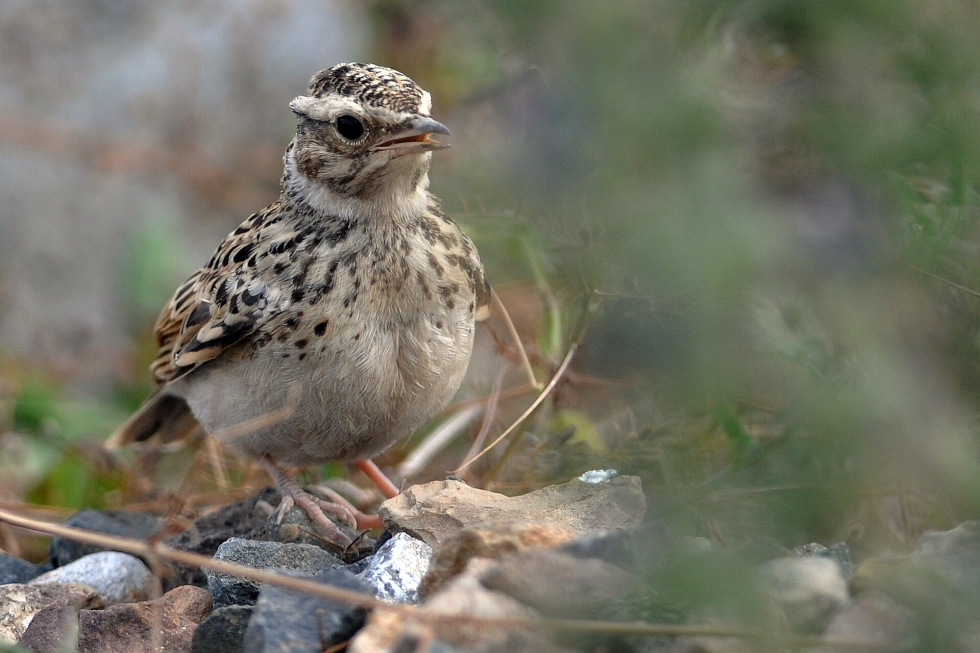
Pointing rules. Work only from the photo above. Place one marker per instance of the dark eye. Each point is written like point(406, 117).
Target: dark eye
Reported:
point(350, 127)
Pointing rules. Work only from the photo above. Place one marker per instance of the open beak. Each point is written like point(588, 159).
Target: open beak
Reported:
point(414, 138)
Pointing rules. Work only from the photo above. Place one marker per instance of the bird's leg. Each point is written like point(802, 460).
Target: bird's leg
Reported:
point(311, 505)
point(378, 477)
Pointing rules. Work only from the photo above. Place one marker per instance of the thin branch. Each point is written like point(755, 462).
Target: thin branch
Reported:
point(969, 291)
point(488, 417)
point(495, 301)
point(534, 406)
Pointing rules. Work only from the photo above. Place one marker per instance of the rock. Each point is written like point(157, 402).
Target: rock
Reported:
point(135, 525)
point(557, 584)
point(231, 590)
point(396, 570)
point(615, 547)
point(15, 570)
point(116, 577)
point(433, 511)
point(490, 540)
point(52, 630)
point(223, 631)
point(954, 554)
point(287, 621)
point(126, 627)
point(839, 553)
point(20, 603)
point(876, 619)
point(251, 519)
point(388, 632)
point(207, 533)
point(809, 590)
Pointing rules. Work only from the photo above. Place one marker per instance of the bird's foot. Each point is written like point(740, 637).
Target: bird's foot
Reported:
point(313, 506)
point(361, 521)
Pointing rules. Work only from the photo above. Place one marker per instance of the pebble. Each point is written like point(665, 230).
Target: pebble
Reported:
point(116, 577)
point(15, 570)
point(809, 590)
point(397, 569)
point(305, 559)
point(287, 621)
point(223, 631)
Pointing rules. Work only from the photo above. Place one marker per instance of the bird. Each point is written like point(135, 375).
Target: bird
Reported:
point(345, 310)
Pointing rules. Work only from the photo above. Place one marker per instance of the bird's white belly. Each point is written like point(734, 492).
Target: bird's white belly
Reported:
point(345, 396)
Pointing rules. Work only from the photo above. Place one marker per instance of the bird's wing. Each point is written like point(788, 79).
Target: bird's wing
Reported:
point(452, 237)
point(223, 302)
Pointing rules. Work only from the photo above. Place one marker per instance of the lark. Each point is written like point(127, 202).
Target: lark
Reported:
point(345, 310)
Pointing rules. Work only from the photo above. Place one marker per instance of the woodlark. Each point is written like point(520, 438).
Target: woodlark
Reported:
point(345, 309)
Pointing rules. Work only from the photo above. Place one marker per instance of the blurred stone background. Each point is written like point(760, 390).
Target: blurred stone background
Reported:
point(131, 130)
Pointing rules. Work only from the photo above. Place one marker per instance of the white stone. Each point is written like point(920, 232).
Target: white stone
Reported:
point(396, 570)
point(116, 577)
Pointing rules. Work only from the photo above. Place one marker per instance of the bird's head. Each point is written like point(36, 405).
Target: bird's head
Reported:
point(364, 134)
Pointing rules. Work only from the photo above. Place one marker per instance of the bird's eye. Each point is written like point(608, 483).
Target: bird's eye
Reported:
point(350, 127)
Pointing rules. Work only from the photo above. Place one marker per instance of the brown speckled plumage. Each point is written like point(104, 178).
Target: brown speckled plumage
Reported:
point(354, 287)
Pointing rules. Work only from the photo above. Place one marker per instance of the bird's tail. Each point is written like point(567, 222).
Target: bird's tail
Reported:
point(163, 415)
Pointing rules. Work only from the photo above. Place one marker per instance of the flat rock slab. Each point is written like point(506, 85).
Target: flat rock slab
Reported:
point(433, 511)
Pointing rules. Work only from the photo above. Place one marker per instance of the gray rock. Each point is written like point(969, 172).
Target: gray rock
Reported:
point(557, 584)
point(15, 570)
point(287, 621)
point(877, 619)
point(616, 547)
point(223, 631)
point(809, 590)
point(388, 632)
point(839, 553)
point(116, 577)
point(20, 603)
point(207, 533)
point(135, 525)
point(955, 554)
point(251, 520)
point(227, 590)
point(398, 567)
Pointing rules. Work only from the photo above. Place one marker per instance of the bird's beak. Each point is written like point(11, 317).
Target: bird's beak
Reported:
point(414, 138)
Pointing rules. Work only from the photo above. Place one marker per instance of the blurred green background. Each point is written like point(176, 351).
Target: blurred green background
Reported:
point(764, 214)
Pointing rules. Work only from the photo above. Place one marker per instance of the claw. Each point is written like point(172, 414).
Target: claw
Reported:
point(312, 506)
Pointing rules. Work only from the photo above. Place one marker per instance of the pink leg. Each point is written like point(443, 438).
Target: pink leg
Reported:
point(311, 505)
point(386, 486)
